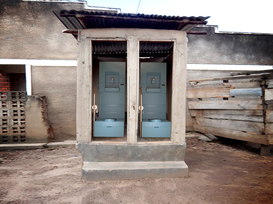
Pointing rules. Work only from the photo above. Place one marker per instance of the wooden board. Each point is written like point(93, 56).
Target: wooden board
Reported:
point(208, 93)
point(269, 83)
point(231, 124)
point(249, 98)
point(248, 73)
point(269, 102)
point(209, 84)
point(268, 94)
point(269, 107)
point(269, 128)
point(270, 139)
point(239, 85)
point(233, 134)
point(269, 75)
point(236, 85)
point(226, 104)
point(244, 115)
point(269, 116)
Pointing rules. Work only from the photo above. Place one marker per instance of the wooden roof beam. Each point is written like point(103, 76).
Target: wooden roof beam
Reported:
point(70, 31)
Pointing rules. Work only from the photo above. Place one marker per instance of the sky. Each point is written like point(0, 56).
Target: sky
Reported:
point(232, 15)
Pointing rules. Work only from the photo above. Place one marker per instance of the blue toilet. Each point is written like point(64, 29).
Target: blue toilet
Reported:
point(110, 122)
point(154, 85)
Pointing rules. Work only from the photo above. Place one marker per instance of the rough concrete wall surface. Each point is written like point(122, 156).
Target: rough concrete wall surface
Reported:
point(30, 30)
point(58, 84)
point(223, 48)
point(36, 127)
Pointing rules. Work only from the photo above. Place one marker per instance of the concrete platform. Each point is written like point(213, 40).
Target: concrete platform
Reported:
point(131, 153)
point(123, 161)
point(98, 171)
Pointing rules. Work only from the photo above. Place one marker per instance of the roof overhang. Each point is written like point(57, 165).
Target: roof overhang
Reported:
point(74, 20)
point(81, 20)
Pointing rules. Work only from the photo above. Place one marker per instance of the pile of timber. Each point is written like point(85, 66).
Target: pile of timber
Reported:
point(237, 107)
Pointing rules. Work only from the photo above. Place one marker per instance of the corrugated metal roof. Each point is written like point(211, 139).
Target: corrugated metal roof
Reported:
point(96, 19)
point(74, 20)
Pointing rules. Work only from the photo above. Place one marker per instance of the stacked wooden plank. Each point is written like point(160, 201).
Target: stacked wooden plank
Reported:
point(268, 96)
point(238, 107)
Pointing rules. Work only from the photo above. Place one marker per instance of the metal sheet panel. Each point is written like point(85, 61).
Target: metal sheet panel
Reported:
point(246, 92)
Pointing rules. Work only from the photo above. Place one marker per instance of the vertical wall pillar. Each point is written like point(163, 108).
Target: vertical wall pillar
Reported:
point(132, 88)
point(178, 128)
point(28, 79)
point(84, 87)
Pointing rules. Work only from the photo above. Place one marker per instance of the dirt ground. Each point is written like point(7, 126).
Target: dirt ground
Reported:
point(219, 172)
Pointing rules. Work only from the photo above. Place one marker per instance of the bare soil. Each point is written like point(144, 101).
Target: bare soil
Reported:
point(219, 172)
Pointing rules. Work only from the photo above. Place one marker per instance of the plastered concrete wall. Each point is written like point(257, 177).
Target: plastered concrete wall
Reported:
point(59, 85)
point(36, 129)
point(223, 48)
point(30, 30)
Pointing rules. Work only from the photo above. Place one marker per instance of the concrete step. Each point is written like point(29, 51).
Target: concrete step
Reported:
point(98, 171)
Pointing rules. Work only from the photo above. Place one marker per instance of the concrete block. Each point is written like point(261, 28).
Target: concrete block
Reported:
point(98, 171)
point(211, 136)
point(131, 153)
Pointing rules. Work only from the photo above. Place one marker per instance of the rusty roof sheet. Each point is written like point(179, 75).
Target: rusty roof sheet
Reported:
point(74, 20)
point(96, 19)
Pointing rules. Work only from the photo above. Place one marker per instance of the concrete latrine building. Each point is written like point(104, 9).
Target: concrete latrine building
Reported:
point(131, 92)
point(42, 61)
